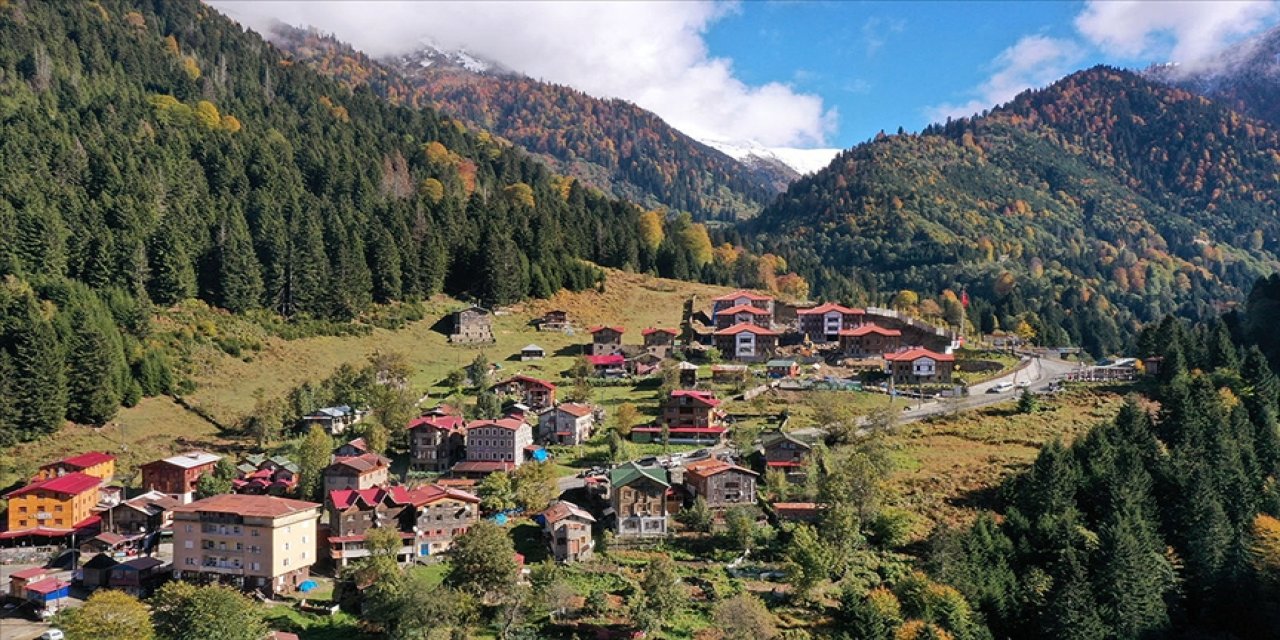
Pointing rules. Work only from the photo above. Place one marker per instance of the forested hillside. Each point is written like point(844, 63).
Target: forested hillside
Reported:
point(610, 144)
point(153, 151)
point(1160, 524)
point(1083, 209)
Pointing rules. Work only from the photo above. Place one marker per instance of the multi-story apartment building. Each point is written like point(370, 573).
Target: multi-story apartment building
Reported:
point(441, 514)
point(746, 342)
point(255, 542)
point(869, 340)
point(62, 502)
point(436, 442)
point(824, 323)
point(495, 445)
point(741, 299)
point(568, 423)
point(919, 365)
point(568, 530)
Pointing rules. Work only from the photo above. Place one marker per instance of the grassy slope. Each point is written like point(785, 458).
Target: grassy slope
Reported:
point(948, 468)
point(225, 384)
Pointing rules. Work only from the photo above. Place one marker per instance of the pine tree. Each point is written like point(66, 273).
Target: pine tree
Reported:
point(172, 274)
point(1071, 611)
point(93, 397)
point(39, 384)
point(384, 261)
point(237, 279)
point(1133, 575)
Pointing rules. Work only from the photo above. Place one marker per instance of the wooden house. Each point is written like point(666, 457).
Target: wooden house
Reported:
point(869, 340)
point(782, 368)
point(919, 366)
point(824, 323)
point(177, 475)
point(436, 442)
point(786, 453)
point(568, 530)
point(569, 423)
point(743, 314)
point(722, 484)
point(533, 392)
point(608, 366)
point(554, 320)
point(638, 499)
point(747, 343)
point(356, 472)
point(532, 352)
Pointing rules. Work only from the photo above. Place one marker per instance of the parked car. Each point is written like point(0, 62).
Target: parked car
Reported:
point(1001, 387)
point(53, 634)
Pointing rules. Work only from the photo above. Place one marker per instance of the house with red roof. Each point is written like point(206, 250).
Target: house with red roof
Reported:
point(351, 513)
point(747, 342)
point(689, 416)
point(606, 340)
point(742, 314)
point(60, 505)
point(533, 392)
point(722, 484)
point(568, 423)
point(787, 453)
point(440, 514)
point(740, 299)
point(94, 463)
point(260, 474)
point(824, 322)
point(436, 442)
point(919, 366)
point(659, 341)
point(608, 366)
point(869, 340)
point(177, 475)
point(495, 445)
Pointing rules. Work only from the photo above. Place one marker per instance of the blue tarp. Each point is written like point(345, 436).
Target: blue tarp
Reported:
point(501, 519)
point(539, 455)
point(307, 586)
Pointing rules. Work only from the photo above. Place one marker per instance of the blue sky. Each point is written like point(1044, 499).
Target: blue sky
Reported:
point(812, 75)
point(888, 64)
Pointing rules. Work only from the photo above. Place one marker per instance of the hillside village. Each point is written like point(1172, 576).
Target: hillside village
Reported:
point(250, 520)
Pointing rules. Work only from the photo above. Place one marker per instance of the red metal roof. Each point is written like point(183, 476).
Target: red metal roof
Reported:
point(915, 354)
point(751, 328)
point(605, 361)
point(72, 484)
point(598, 329)
point(345, 498)
point(678, 430)
point(743, 308)
point(575, 409)
point(653, 330)
point(741, 294)
point(830, 306)
point(27, 574)
point(85, 460)
point(867, 329)
point(783, 463)
point(47, 586)
point(443, 423)
point(505, 423)
point(427, 494)
point(247, 505)
point(705, 397)
point(708, 468)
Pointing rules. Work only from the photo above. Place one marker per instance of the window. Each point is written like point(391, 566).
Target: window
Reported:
point(57, 508)
point(304, 539)
point(189, 528)
point(286, 562)
point(286, 546)
point(257, 567)
point(191, 562)
point(253, 533)
point(187, 544)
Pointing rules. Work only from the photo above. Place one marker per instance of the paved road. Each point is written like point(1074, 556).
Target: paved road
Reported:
point(1039, 372)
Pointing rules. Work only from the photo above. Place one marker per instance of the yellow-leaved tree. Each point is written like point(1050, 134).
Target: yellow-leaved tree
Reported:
point(651, 233)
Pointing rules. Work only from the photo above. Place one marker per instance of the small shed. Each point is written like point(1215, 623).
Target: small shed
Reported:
point(782, 368)
point(97, 571)
point(48, 591)
point(532, 352)
point(688, 374)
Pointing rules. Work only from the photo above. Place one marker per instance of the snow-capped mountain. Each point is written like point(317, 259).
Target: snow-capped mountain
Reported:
point(433, 55)
point(750, 152)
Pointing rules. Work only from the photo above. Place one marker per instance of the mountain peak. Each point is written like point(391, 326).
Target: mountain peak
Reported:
point(433, 55)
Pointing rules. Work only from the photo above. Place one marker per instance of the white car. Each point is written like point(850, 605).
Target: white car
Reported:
point(1001, 387)
point(53, 634)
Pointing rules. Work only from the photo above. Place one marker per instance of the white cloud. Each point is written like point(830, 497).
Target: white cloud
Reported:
point(1033, 61)
point(1186, 32)
point(876, 32)
point(651, 53)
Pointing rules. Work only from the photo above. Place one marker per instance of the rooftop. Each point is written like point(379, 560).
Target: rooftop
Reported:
point(605, 361)
point(505, 423)
point(827, 307)
point(346, 498)
point(247, 505)
point(443, 423)
point(711, 467)
point(72, 484)
point(653, 330)
point(629, 472)
point(192, 459)
point(618, 329)
point(749, 328)
point(742, 294)
point(361, 463)
point(743, 308)
point(868, 329)
point(84, 460)
point(575, 409)
point(537, 382)
point(562, 509)
point(917, 353)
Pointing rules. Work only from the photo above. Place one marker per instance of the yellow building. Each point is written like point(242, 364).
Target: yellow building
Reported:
point(260, 543)
point(94, 463)
point(61, 502)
